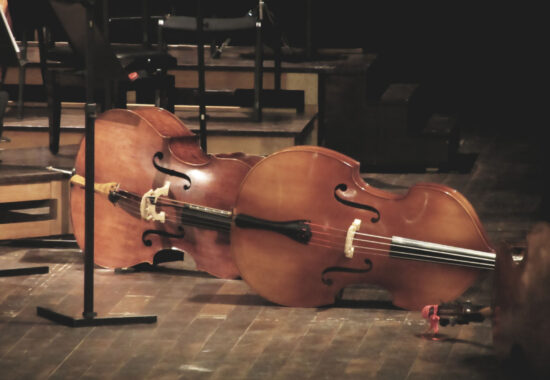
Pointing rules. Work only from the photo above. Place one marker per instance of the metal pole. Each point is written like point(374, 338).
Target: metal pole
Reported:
point(258, 73)
point(90, 111)
point(200, 56)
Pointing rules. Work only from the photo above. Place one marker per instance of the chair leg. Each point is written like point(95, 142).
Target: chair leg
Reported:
point(200, 71)
point(167, 92)
point(54, 112)
point(120, 97)
point(20, 101)
point(22, 74)
point(202, 102)
point(55, 126)
point(3, 104)
point(277, 65)
point(109, 94)
point(258, 73)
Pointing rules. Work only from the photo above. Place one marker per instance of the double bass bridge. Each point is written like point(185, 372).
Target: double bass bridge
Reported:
point(148, 205)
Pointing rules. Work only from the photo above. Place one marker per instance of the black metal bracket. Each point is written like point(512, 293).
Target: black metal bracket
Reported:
point(23, 271)
point(92, 320)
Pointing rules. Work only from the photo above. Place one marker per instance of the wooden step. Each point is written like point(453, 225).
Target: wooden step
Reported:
point(34, 201)
point(229, 129)
point(233, 130)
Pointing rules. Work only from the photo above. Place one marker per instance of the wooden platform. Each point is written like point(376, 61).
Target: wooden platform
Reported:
point(209, 328)
point(235, 66)
point(229, 129)
point(234, 70)
point(34, 201)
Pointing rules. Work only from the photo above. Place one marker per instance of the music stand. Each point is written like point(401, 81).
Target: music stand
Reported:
point(9, 58)
point(74, 11)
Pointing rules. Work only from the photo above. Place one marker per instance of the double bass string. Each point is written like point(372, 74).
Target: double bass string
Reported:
point(323, 237)
point(371, 251)
point(132, 205)
point(344, 232)
point(391, 247)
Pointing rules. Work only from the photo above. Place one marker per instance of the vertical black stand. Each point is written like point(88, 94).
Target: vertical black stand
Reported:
point(200, 54)
point(22, 75)
point(89, 314)
point(309, 25)
point(258, 74)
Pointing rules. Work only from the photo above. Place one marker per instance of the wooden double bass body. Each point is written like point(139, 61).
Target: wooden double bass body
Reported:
point(314, 195)
point(140, 150)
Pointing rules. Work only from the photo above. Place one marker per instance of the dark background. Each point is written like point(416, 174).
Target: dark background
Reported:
point(483, 62)
point(471, 56)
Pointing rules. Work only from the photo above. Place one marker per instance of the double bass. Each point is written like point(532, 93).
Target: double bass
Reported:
point(306, 225)
point(143, 149)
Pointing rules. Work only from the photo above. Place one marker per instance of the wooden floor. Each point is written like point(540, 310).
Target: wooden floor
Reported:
point(209, 328)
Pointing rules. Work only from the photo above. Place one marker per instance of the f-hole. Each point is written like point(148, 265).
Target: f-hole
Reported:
point(343, 187)
point(147, 242)
point(160, 156)
point(328, 282)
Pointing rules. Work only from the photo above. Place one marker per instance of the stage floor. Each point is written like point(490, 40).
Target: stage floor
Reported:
point(210, 328)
